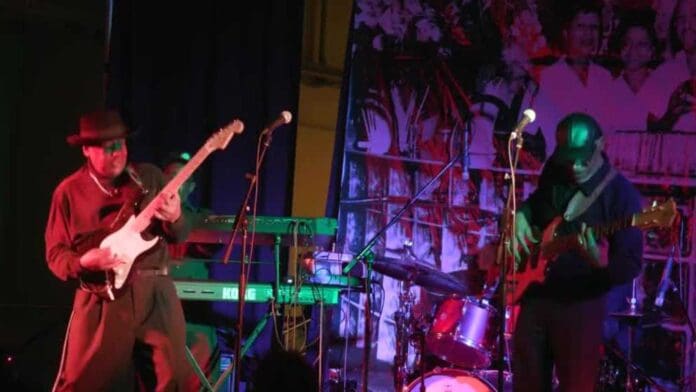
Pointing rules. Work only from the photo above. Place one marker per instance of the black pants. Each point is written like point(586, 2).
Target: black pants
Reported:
point(141, 333)
point(564, 334)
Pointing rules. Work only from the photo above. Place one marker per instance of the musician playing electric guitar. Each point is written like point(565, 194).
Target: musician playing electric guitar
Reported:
point(560, 321)
point(143, 327)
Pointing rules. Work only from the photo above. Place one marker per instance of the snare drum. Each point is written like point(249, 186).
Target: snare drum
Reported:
point(464, 332)
point(450, 380)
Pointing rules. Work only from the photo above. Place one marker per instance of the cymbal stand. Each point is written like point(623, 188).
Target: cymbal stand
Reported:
point(506, 361)
point(418, 338)
point(366, 256)
point(637, 371)
point(633, 308)
point(632, 317)
point(403, 318)
point(673, 288)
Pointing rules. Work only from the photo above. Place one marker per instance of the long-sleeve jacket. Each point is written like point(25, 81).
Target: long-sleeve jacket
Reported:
point(79, 207)
point(570, 275)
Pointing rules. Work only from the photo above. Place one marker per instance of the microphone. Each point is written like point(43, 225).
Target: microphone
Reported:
point(284, 118)
point(528, 116)
point(664, 281)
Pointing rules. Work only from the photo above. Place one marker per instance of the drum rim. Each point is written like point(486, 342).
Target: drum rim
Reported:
point(438, 336)
point(449, 371)
point(478, 302)
point(470, 299)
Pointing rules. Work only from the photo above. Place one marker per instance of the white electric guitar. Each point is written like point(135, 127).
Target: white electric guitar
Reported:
point(127, 243)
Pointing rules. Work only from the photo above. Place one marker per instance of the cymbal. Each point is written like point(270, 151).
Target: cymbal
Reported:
point(421, 274)
point(397, 268)
point(441, 283)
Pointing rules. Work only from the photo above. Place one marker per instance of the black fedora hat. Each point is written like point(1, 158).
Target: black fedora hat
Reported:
point(97, 127)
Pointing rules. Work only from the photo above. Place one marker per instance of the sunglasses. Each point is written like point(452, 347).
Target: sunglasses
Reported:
point(111, 147)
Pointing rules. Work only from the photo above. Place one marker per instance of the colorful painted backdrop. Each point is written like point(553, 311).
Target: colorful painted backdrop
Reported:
point(431, 80)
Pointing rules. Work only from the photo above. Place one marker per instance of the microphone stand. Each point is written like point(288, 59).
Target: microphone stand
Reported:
point(689, 347)
point(241, 223)
point(506, 246)
point(672, 288)
point(366, 256)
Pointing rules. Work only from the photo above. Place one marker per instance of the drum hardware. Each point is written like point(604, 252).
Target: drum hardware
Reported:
point(403, 320)
point(463, 332)
point(632, 317)
point(418, 341)
point(366, 256)
point(409, 330)
point(612, 374)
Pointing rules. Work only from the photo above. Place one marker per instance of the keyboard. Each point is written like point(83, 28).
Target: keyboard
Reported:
point(257, 292)
point(215, 229)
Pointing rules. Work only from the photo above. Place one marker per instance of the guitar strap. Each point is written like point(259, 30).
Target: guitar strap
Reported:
point(580, 203)
point(135, 177)
point(133, 174)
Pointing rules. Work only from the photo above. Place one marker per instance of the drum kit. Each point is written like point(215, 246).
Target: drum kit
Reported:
point(461, 332)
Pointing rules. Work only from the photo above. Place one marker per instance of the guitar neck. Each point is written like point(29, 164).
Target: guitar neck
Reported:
point(566, 242)
point(612, 227)
point(142, 221)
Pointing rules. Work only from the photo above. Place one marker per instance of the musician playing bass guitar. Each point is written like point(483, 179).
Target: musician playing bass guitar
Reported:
point(139, 331)
point(560, 321)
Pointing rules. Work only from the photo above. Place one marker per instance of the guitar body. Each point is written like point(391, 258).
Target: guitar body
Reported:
point(534, 268)
point(126, 244)
point(123, 241)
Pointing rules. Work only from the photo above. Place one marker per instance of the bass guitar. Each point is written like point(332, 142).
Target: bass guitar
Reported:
point(535, 266)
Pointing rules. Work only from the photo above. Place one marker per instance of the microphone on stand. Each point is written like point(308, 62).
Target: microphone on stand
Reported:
point(664, 281)
point(528, 116)
point(284, 118)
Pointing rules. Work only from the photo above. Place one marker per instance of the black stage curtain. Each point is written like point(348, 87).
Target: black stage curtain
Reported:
point(178, 72)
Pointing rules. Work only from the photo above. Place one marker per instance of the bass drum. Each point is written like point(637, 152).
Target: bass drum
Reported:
point(450, 380)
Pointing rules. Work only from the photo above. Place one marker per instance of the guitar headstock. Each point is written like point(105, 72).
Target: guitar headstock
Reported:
point(221, 138)
point(657, 215)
